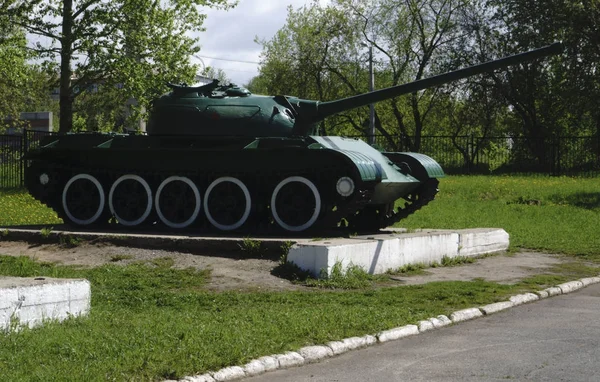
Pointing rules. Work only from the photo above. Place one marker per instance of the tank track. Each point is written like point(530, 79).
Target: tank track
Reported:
point(373, 218)
point(260, 223)
point(414, 202)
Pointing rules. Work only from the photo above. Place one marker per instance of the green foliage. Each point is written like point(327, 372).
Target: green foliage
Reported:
point(22, 85)
point(46, 232)
point(251, 247)
point(131, 49)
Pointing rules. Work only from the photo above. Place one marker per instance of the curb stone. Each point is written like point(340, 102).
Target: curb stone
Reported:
point(289, 359)
point(397, 333)
point(553, 291)
point(254, 367)
point(317, 352)
point(338, 347)
point(524, 298)
point(571, 286)
point(270, 362)
point(199, 378)
point(465, 314)
point(496, 307)
point(425, 325)
point(440, 321)
point(229, 374)
point(590, 280)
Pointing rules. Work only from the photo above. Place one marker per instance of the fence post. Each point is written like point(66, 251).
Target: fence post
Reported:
point(24, 148)
point(557, 169)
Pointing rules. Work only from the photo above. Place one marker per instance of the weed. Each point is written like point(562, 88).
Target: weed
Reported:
point(409, 269)
point(46, 232)
point(448, 261)
point(69, 241)
point(353, 277)
point(251, 247)
point(285, 250)
point(163, 262)
point(116, 258)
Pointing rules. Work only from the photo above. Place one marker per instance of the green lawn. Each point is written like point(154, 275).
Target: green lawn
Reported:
point(557, 214)
point(152, 322)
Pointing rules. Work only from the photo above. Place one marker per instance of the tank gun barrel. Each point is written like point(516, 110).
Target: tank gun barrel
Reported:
point(325, 109)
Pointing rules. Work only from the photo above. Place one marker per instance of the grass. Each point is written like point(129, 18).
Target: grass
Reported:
point(17, 207)
point(149, 322)
point(556, 214)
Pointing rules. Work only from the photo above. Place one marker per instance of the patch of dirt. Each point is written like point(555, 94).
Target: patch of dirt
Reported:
point(233, 271)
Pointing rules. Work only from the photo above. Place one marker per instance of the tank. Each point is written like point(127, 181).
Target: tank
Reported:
point(218, 158)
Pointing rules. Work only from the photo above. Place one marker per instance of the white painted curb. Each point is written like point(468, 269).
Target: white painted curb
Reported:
point(229, 374)
point(397, 333)
point(315, 353)
point(496, 307)
point(318, 352)
point(523, 298)
point(570, 286)
point(465, 314)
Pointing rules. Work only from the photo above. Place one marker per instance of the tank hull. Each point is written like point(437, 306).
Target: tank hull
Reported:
point(246, 185)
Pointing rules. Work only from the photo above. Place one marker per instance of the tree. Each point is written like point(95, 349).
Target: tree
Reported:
point(550, 97)
point(137, 45)
point(322, 53)
point(22, 85)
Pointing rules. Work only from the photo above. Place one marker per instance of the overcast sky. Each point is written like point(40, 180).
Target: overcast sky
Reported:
point(230, 35)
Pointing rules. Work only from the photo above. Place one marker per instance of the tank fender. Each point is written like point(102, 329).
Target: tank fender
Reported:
point(417, 165)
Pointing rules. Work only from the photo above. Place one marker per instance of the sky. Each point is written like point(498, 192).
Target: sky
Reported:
point(230, 35)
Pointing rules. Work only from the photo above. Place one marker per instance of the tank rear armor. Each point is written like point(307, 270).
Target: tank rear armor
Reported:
point(219, 158)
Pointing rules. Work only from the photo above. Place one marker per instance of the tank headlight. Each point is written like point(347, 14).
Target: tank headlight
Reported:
point(345, 186)
point(44, 179)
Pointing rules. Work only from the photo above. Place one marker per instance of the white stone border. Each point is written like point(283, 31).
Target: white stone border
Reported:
point(317, 353)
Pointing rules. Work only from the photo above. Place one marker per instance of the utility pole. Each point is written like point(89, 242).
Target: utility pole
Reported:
point(372, 106)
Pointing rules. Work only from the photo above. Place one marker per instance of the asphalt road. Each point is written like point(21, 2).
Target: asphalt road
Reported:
point(555, 339)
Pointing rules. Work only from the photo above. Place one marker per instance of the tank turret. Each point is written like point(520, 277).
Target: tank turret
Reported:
point(231, 110)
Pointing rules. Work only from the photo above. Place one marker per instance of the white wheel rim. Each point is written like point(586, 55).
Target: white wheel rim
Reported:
point(244, 217)
point(314, 216)
point(100, 206)
point(159, 212)
point(148, 194)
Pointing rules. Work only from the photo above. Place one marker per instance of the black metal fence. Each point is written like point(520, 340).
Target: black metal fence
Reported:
point(466, 154)
point(12, 149)
point(471, 154)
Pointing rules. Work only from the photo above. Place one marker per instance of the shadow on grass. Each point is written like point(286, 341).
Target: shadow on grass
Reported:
point(587, 200)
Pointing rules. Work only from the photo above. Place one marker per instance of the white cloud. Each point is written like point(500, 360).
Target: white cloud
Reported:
point(230, 35)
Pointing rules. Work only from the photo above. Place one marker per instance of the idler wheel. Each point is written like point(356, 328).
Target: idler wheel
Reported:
point(177, 202)
point(83, 199)
point(130, 200)
point(296, 204)
point(227, 203)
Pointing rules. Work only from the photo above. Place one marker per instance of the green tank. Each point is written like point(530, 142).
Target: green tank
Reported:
point(220, 158)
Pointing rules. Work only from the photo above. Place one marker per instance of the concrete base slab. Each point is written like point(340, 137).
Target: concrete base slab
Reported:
point(30, 302)
point(393, 249)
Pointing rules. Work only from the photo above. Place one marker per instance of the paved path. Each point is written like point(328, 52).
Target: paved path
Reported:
point(555, 339)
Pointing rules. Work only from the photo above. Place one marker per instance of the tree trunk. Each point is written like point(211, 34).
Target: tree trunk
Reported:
point(66, 99)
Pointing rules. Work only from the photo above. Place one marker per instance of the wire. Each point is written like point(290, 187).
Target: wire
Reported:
point(226, 59)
